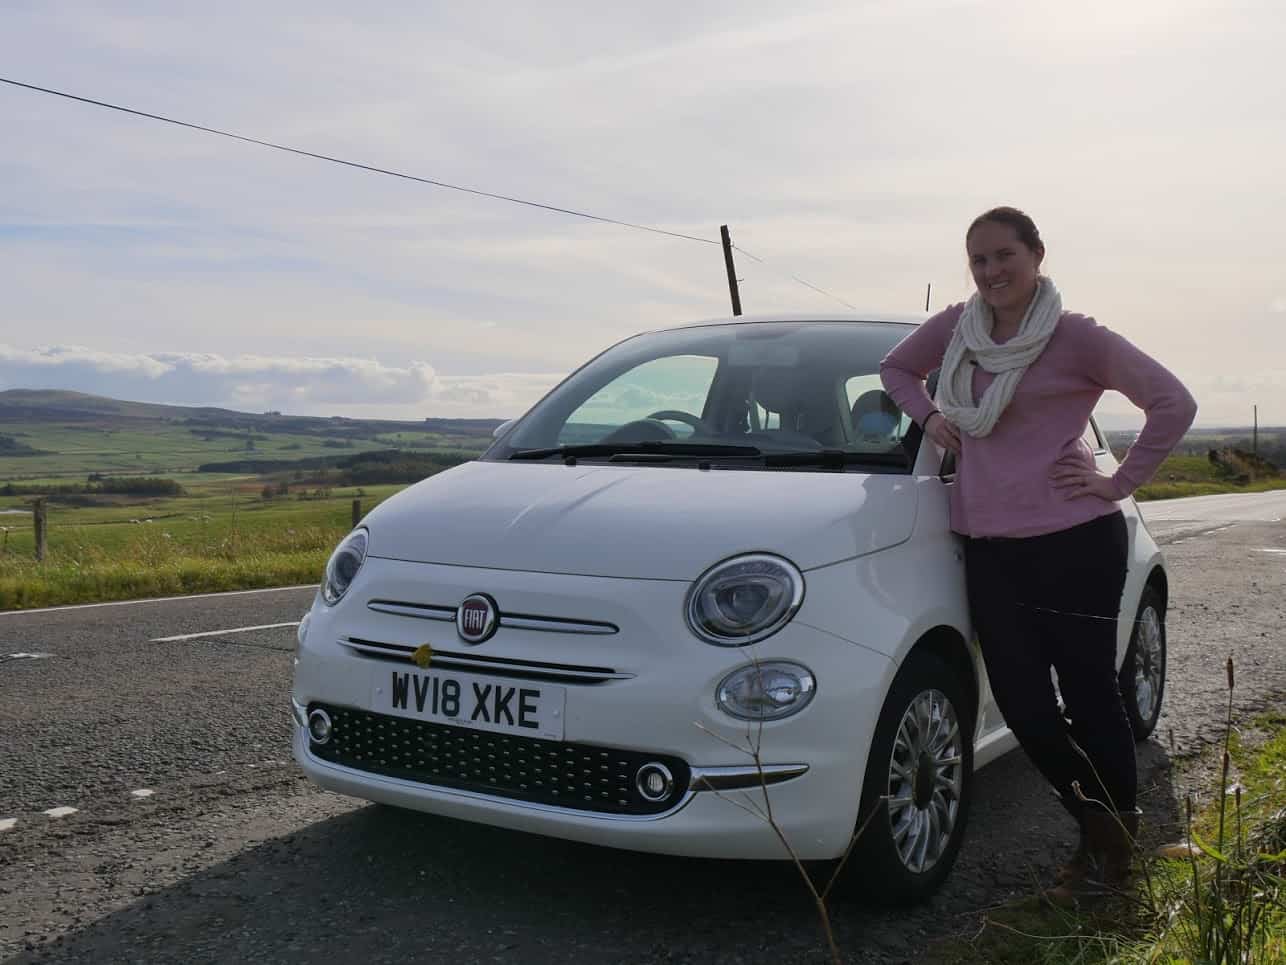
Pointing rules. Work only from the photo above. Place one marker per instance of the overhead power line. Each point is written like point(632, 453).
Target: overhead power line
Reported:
point(408, 177)
point(794, 277)
point(355, 164)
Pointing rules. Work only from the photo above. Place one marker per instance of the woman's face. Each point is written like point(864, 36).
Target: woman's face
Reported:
point(1004, 269)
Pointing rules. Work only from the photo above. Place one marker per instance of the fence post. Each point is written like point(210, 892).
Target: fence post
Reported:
point(357, 511)
point(42, 528)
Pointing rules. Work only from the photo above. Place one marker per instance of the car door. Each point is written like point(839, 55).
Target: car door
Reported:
point(1106, 463)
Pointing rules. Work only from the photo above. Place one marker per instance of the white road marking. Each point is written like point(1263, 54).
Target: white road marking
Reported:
point(7, 823)
point(220, 633)
point(159, 599)
point(1268, 550)
point(61, 812)
point(142, 792)
point(28, 656)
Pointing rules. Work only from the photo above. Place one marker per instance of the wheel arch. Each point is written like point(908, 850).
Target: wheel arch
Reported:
point(1158, 579)
point(948, 645)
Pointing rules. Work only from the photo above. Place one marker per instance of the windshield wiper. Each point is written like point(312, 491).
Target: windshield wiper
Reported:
point(835, 458)
point(650, 449)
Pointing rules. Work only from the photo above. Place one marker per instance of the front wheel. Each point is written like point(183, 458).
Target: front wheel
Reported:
point(1142, 676)
point(921, 762)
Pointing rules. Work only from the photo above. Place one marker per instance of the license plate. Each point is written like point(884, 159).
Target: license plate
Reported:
point(520, 707)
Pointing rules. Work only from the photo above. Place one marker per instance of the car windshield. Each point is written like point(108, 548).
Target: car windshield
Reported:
point(745, 395)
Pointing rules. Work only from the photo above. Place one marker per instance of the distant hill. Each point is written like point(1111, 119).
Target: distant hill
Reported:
point(56, 434)
point(52, 405)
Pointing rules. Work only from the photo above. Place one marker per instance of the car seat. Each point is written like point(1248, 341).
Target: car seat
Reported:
point(876, 418)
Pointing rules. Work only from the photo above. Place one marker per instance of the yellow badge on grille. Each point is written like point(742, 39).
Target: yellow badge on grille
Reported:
point(423, 655)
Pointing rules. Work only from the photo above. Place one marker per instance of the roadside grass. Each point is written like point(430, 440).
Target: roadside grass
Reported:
point(1219, 899)
point(60, 584)
point(1184, 475)
point(219, 539)
point(1177, 490)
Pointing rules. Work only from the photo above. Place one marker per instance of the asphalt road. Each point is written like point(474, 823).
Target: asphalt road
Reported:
point(234, 857)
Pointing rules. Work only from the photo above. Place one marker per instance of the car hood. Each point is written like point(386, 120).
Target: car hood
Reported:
point(638, 522)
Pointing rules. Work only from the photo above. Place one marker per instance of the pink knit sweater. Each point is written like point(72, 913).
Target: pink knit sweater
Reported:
point(1003, 481)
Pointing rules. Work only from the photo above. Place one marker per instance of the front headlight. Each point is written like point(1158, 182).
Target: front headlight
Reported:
point(766, 691)
point(744, 599)
point(343, 565)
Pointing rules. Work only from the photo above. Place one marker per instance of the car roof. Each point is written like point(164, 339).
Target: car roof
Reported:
point(880, 317)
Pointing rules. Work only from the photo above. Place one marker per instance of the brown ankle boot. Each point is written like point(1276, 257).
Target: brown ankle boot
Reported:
point(1108, 869)
point(1078, 865)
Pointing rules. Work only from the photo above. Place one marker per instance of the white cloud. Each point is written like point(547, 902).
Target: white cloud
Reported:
point(296, 384)
point(847, 142)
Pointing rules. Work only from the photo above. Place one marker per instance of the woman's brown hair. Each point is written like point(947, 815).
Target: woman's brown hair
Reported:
point(1020, 221)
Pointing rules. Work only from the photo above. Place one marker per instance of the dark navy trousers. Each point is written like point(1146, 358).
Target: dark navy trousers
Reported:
point(1052, 601)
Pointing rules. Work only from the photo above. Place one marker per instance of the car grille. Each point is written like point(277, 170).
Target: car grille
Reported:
point(579, 776)
point(566, 673)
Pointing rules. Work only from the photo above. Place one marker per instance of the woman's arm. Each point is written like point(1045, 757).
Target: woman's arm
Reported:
point(1115, 363)
point(905, 368)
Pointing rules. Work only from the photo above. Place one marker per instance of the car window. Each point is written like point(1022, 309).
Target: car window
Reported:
point(658, 388)
point(1091, 439)
point(876, 420)
point(779, 387)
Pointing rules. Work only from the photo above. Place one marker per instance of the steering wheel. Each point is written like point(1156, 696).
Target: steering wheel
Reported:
point(687, 418)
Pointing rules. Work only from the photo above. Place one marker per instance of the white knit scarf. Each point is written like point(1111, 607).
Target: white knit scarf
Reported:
point(971, 342)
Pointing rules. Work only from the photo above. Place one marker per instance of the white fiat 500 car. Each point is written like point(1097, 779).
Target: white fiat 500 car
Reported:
point(706, 536)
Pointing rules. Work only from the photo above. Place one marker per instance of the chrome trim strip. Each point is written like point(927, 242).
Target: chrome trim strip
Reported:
point(551, 625)
point(508, 802)
point(299, 712)
point(490, 665)
point(444, 614)
point(731, 778)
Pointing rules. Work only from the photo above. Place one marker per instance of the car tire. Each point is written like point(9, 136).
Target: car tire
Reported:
point(1142, 675)
point(904, 852)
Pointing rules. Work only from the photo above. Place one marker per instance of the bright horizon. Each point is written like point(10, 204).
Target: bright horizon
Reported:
point(849, 144)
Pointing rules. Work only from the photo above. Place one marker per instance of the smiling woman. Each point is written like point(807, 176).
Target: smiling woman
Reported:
point(1046, 540)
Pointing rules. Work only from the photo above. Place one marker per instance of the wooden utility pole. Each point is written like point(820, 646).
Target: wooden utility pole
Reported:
point(928, 288)
point(357, 512)
point(42, 528)
point(732, 271)
point(1254, 440)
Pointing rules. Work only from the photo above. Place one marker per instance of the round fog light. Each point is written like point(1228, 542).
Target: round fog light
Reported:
point(769, 690)
point(319, 726)
point(655, 782)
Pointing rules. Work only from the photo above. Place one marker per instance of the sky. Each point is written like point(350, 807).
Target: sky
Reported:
point(849, 144)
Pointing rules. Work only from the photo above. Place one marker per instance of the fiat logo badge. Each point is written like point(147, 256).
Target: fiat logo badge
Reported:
point(477, 618)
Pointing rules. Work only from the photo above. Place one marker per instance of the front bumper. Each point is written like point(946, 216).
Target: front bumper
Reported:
point(704, 824)
point(664, 702)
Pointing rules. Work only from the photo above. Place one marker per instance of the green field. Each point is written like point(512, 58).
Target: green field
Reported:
point(225, 535)
point(228, 530)
point(51, 435)
point(247, 529)
point(76, 450)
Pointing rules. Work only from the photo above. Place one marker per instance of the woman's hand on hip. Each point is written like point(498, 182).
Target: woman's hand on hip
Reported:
point(937, 428)
point(1073, 478)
